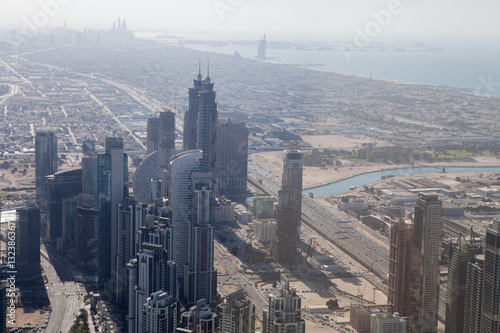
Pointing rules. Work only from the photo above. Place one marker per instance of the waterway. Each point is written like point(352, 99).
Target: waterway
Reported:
point(346, 184)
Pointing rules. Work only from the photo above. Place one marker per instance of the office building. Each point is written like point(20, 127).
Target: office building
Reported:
point(237, 313)
point(384, 322)
point(490, 318)
point(86, 232)
point(360, 318)
point(27, 243)
point(462, 252)
point(287, 236)
point(200, 318)
point(148, 172)
point(202, 276)
point(426, 253)
point(61, 185)
point(112, 188)
point(207, 124)
point(89, 168)
point(153, 137)
point(284, 312)
point(159, 313)
point(231, 151)
point(181, 170)
point(474, 295)
point(191, 115)
point(129, 221)
point(45, 163)
point(401, 242)
point(166, 133)
point(292, 175)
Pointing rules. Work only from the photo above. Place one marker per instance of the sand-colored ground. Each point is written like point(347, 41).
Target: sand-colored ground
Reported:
point(32, 315)
point(357, 286)
point(315, 176)
point(340, 141)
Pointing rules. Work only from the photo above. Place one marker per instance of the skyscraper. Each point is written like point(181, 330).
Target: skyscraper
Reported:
point(89, 168)
point(231, 166)
point(202, 278)
point(237, 313)
point(86, 232)
point(129, 221)
point(159, 313)
point(461, 253)
point(147, 172)
point(191, 115)
point(490, 319)
point(200, 318)
point(398, 291)
point(284, 312)
point(166, 133)
point(207, 124)
point(474, 295)
point(261, 52)
point(426, 253)
point(181, 170)
point(292, 174)
point(61, 185)
point(112, 188)
point(45, 163)
point(27, 243)
point(153, 137)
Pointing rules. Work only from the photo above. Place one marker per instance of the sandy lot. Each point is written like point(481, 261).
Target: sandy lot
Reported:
point(355, 286)
point(32, 315)
point(340, 141)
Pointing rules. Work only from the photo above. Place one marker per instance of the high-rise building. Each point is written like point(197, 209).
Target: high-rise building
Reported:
point(86, 232)
point(153, 136)
point(261, 51)
point(148, 171)
point(474, 295)
point(426, 253)
point(89, 168)
point(27, 243)
point(399, 286)
point(181, 170)
point(61, 185)
point(237, 313)
point(45, 163)
point(159, 313)
point(129, 221)
point(202, 276)
point(207, 124)
point(490, 318)
point(112, 188)
point(191, 115)
point(462, 252)
point(387, 323)
point(292, 175)
point(360, 318)
point(231, 166)
point(287, 236)
point(200, 318)
point(166, 133)
point(284, 312)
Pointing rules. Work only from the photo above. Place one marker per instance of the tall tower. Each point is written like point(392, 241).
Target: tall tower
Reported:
point(147, 173)
point(45, 163)
point(89, 168)
point(237, 313)
point(490, 319)
point(207, 124)
point(153, 136)
point(426, 253)
point(474, 295)
point(261, 52)
point(166, 136)
point(231, 166)
point(202, 274)
point(191, 115)
point(292, 175)
point(112, 188)
point(27, 243)
point(159, 313)
point(129, 221)
point(462, 252)
point(181, 170)
point(284, 312)
point(398, 291)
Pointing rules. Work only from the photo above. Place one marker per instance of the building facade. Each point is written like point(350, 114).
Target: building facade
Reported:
point(27, 243)
point(237, 313)
point(45, 163)
point(159, 313)
point(474, 295)
point(166, 133)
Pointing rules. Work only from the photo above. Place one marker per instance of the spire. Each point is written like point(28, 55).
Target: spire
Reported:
point(208, 69)
point(199, 77)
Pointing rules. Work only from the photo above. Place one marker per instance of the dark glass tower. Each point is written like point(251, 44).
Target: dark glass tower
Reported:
point(112, 188)
point(490, 320)
point(153, 135)
point(28, 243)
point(166, 131)
point(207, 124)
point(45, 163)
point(231, 166)
point(191, 115)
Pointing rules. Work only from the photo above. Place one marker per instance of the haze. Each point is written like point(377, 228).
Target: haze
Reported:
point(283, 20)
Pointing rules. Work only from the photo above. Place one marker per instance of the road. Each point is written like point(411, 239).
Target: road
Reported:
point(64, 298)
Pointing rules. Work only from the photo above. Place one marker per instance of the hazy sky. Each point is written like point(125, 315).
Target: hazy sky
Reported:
point(412, 20)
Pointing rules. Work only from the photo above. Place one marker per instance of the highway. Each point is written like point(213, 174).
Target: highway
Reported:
point(64, 297)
